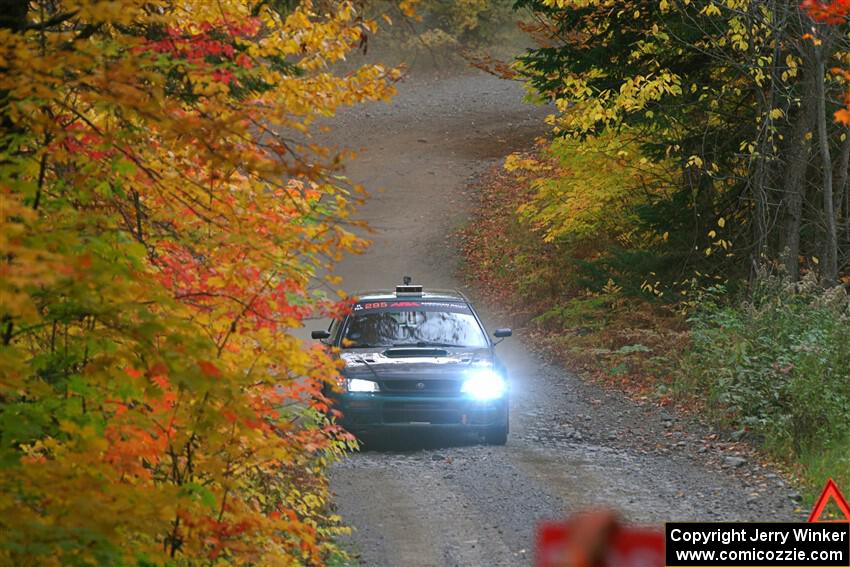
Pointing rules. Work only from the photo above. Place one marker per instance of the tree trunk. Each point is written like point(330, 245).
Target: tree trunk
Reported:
point(795, 172)
point(842, 203)
point(759, 185)
point(829, 267)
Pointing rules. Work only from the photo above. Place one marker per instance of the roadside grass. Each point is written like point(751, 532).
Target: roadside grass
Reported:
point(777, 365)
point(773, 368)
point(831, 461)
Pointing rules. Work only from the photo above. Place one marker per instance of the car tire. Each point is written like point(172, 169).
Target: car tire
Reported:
point(496, 435)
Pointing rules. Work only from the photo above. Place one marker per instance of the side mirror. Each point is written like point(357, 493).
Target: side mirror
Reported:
point(502, 333)
point(320, 335)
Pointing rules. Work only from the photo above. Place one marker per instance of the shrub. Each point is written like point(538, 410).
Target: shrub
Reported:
point(777, 364)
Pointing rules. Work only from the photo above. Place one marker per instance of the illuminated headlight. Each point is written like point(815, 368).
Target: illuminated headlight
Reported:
point(484, 385)
point(358, 385)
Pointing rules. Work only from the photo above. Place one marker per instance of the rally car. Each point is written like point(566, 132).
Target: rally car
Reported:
point(419, 359)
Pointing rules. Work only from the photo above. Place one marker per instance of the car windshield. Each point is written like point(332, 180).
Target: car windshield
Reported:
point(408, 323)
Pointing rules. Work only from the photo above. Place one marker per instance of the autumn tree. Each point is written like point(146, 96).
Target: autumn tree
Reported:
point(167, 221)
point(736, 96)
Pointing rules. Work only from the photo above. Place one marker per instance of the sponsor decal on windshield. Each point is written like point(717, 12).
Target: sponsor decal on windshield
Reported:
point(413, 306)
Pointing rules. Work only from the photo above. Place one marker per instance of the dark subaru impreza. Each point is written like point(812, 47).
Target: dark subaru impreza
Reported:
point(419, 359)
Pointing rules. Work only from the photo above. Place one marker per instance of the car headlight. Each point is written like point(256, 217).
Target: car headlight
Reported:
point(358, 385)
point(484, 385)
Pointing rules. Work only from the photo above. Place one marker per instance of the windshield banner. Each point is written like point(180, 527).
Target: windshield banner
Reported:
point(407, 305)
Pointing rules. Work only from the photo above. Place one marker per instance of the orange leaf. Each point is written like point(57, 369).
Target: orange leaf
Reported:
point(209, 369)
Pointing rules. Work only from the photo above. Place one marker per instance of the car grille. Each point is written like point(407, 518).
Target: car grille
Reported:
point(428, 387)
point(422, 412)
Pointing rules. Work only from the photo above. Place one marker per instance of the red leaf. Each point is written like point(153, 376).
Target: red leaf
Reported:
point(209, 369)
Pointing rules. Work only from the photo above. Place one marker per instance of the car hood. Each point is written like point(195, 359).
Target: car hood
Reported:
point(414, 361)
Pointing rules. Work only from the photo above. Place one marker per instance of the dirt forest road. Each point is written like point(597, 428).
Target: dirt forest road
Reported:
point(423, 501)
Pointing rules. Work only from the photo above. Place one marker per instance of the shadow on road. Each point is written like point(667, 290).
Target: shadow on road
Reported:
point(409, 441)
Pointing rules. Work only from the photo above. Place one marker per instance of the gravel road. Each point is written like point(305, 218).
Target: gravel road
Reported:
point(430, 501)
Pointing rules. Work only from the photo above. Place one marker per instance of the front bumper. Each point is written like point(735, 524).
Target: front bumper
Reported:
point(363, 412)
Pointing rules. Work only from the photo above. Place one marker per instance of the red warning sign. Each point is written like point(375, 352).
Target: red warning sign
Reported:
point(830, 491)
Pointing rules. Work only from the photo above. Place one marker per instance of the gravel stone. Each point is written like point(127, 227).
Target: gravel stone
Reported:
point(735, 462)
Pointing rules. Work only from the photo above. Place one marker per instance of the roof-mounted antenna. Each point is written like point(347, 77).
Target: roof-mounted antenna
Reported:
point(407, 280)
